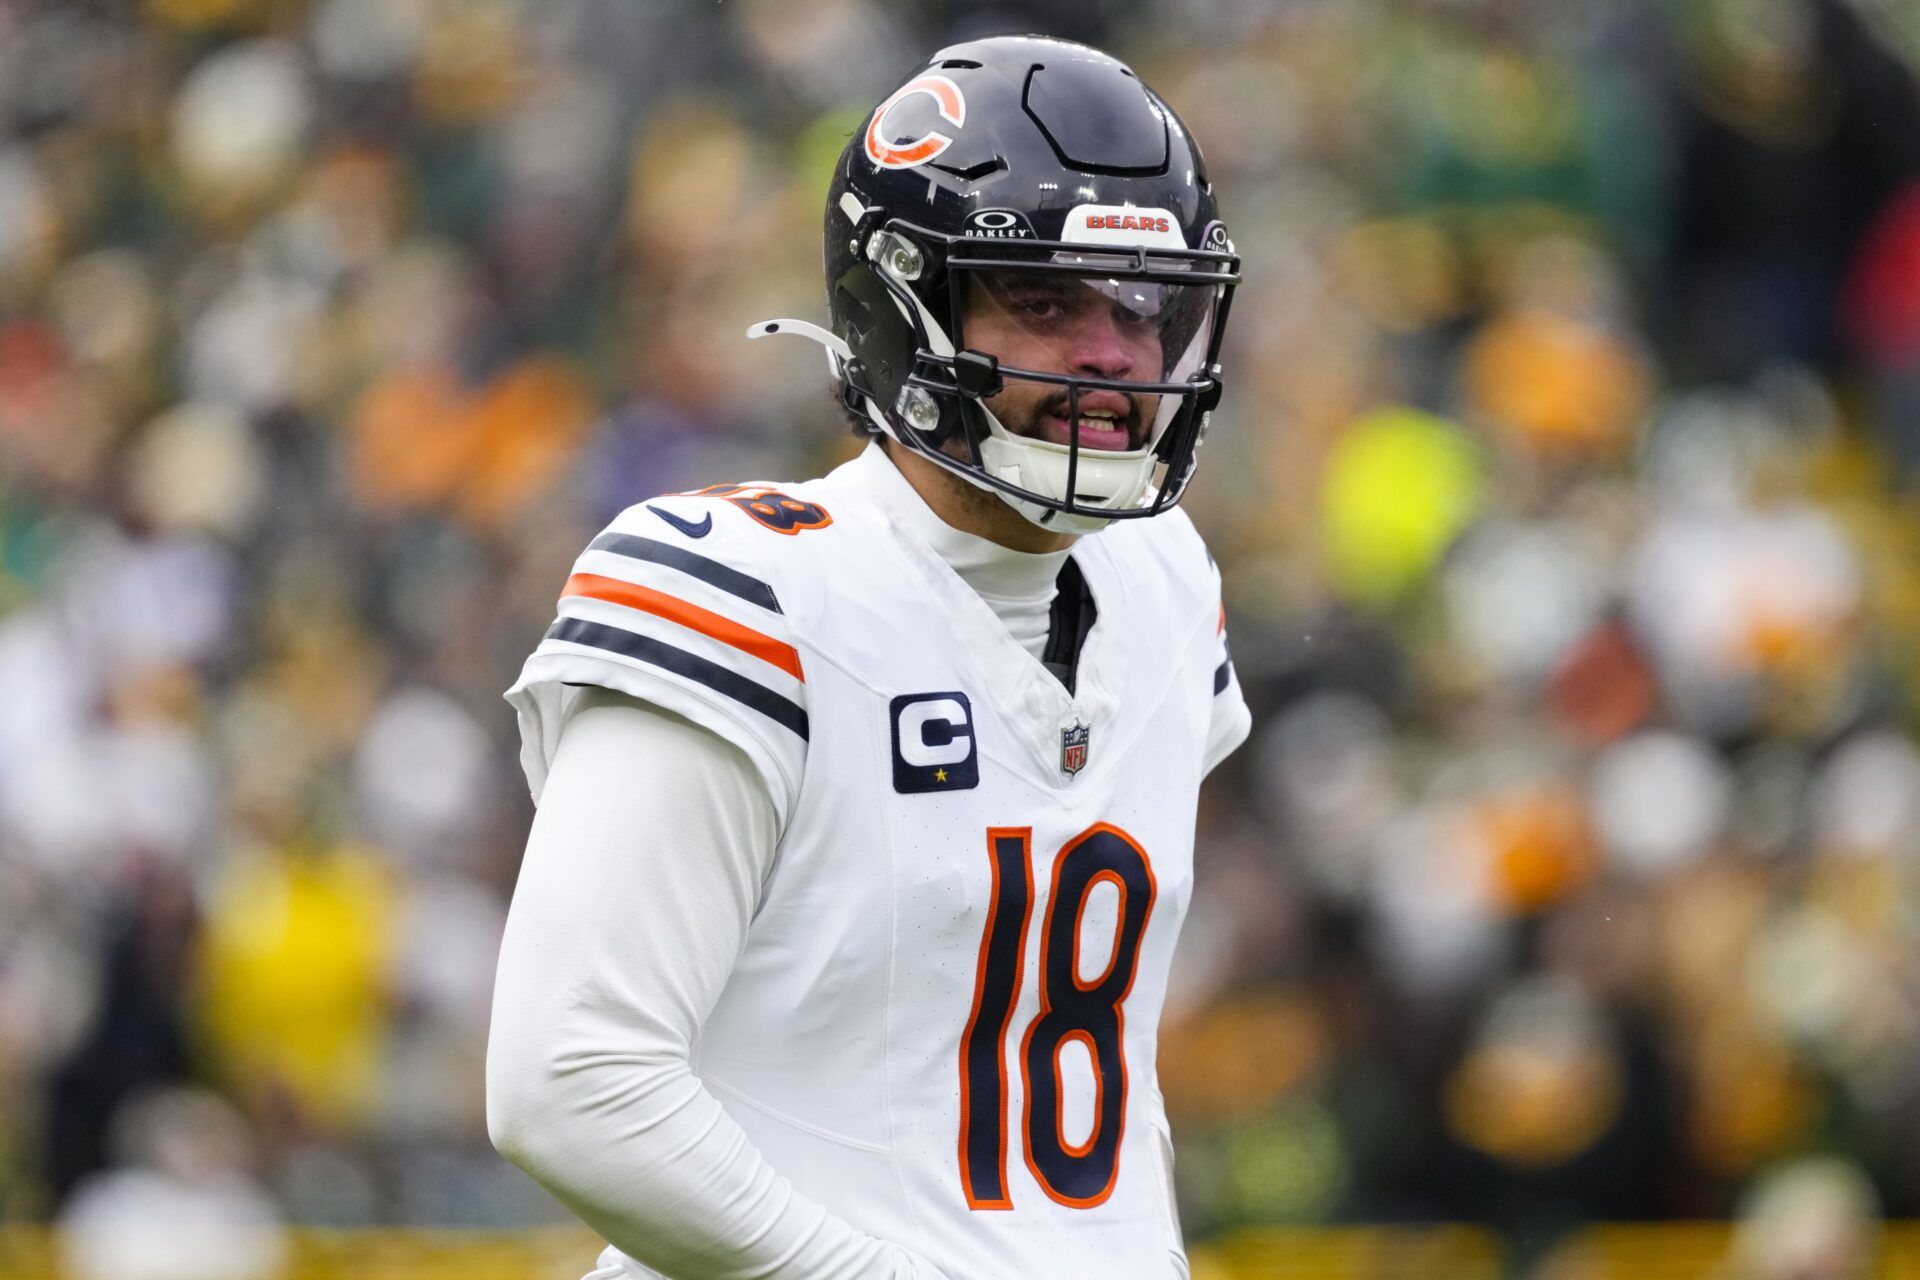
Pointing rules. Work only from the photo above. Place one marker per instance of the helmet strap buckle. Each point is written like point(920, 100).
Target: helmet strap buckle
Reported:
point(1209, 400)
point(854, 392)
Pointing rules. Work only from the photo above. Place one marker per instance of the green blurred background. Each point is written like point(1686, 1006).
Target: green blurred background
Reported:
point(1567, 489)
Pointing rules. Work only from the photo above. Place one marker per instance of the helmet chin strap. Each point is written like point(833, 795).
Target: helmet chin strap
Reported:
point(1058, 521)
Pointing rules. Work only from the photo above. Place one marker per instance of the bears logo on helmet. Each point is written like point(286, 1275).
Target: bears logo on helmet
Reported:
point(948, 100)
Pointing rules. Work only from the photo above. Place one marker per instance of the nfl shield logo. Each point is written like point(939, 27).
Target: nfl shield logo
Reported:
point(1073, 749)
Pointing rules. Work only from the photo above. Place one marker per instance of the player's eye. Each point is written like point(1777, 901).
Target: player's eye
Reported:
point(1032, 299)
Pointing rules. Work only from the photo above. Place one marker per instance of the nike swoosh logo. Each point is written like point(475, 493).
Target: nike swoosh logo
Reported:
point(693, 529)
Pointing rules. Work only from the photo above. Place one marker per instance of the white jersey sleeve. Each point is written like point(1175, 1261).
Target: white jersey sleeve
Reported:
point(669, 605)
point(640, 878)
point(1231, 719)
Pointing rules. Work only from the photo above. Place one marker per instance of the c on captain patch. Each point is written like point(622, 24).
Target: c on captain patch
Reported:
point(933, 746)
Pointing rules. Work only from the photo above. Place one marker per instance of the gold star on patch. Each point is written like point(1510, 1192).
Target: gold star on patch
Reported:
point(939, 775)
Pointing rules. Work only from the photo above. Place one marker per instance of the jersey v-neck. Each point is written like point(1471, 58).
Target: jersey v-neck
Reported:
point(1017, 677)
point(1019, 586)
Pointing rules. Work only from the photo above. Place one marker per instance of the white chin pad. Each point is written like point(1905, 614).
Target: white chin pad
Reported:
point(1108, 481)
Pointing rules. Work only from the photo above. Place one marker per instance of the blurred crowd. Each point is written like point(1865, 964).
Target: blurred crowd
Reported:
point(1567, 489)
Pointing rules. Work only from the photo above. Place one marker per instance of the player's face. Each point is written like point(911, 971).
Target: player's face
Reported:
point(1063, 324)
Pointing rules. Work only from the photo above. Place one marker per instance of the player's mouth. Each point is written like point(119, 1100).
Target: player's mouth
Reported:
point(1109, 421)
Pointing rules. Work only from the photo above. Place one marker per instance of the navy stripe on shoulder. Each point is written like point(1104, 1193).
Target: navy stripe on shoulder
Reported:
point(711, 572)
point(780, 710)
point(1222, 674)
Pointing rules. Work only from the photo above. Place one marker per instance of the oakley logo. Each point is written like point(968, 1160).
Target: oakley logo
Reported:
point(998, 224)
point(907, 154)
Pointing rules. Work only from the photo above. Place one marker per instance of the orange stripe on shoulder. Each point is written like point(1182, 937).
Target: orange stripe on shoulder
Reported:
point(1223, 618)
point(634, 596)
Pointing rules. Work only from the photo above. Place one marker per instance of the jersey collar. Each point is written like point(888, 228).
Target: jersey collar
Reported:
point(1037, 705)
point(996, 572)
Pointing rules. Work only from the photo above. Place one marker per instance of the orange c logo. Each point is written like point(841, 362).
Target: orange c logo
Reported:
point(953, 109)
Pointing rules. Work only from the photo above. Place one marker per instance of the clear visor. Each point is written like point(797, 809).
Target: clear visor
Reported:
point(1128, 336)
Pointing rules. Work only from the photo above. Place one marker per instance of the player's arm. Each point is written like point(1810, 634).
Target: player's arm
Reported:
point(1231, 721)
point(641, 875)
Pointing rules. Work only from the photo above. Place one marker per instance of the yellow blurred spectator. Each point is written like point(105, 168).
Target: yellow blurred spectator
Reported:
point(693, 176)
point(1542, 1081)
point(203, 15)
point(1405, 273)
point(294, 1004)
point(1751, 1100)
point(1242, 1056)
point(1399, 487)
point(473, 61)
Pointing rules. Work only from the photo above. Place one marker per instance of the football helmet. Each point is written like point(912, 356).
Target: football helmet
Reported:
point(1029, 280)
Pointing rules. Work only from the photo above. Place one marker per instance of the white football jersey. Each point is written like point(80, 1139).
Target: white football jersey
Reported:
point(943, 1024)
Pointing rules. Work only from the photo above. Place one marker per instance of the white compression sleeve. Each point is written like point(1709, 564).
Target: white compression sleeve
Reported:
point(641, 874)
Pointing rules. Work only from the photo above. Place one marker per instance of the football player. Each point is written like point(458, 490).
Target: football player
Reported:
point(866, 804)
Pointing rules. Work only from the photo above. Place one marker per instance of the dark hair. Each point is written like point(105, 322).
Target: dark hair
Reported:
point(859, 423)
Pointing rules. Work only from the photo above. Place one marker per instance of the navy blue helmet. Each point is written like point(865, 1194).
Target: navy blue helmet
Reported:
point(1028, 279)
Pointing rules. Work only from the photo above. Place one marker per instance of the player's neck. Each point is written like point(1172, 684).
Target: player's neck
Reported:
point(972, 509)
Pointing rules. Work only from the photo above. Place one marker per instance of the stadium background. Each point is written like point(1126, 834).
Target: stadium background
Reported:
point(1565, 490)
